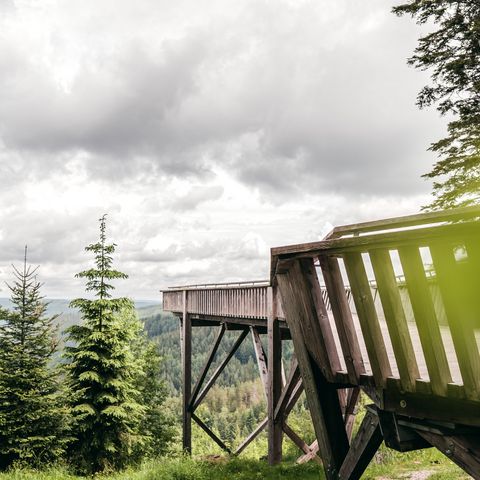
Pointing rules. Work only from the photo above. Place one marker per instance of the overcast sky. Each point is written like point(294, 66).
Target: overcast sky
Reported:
point(208, 130)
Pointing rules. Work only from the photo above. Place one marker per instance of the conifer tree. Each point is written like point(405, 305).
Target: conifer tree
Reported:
point(452, 53)
point(33, 418)
point(102, 369)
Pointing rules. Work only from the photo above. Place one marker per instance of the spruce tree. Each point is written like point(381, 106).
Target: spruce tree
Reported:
point(452, 53)
point(33, 418)
point(103, 370)
point(157, 424)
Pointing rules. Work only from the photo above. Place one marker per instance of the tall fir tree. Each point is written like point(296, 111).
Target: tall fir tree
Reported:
point(33, 416)
point(452, 53)
point(103, 370)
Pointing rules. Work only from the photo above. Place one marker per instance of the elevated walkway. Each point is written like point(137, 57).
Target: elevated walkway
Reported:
point(398, 318)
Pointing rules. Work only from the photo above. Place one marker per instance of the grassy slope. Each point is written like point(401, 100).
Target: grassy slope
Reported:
point(393, 466)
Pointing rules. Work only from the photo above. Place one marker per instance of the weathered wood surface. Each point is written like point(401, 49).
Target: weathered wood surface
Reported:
point(391, 339)
point(399, 317)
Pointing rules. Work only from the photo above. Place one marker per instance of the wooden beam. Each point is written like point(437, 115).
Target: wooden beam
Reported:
point(301, 444)
point(210, 434)
point(463, 450)
point(351, 410)
point(297, 391)
point(306, 457)
point(261, 359)
point(207, 365)
point(293, 377)
point(322, 398)
point(187, 376)
point(275, 432)
point(406, 221)
point(219, 369)
point(363, 448)
point(253, 435)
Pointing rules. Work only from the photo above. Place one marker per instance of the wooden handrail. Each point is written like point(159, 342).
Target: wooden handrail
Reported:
point(428, 314)
point(407, 221)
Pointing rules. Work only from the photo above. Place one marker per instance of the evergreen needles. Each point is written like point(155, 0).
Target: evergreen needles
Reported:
point(452, 53)
point(33, 420)
point(102, 370)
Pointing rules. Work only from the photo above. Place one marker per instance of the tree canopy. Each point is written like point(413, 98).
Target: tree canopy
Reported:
point(103, 369)
point(33, 416)
point(452, 53)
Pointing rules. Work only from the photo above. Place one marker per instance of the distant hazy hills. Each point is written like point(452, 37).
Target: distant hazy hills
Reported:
point(68, 316)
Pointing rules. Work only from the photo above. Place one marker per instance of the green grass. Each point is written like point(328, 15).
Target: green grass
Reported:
point(187, 469)
point(386, 465)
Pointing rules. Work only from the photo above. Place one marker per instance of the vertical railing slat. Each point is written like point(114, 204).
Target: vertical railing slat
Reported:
point(343, 317)
point(395, 318)
point(458, 290)
point(367, 315)
point(426, 319)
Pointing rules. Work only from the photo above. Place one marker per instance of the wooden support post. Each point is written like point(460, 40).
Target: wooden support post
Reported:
point(219, 370)
point(275, 432)
point(287, 391)
point(261, 359)
point(362, 449)
point(187, 375)
point(302, 316)
point(302, 445)
point(207, 365)
point(351, 410)
point(463, 450)
point(210, 434)
point(252, 436)
point(306, 457)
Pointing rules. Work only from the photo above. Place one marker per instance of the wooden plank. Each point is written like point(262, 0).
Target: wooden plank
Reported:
point(442, 409)
point(324, 333)
point(219, 369)
point(211, 434)
point(421, 236)
point(409, 220)
point(261, 359)
point(459, 290)
point(207, 365)
point(275, 434)
point(395, 318)
point(301, 444)
point(252, 436)
point(343, 317)
point(463, 450)
point(363, 448)
point(298, 307)
point(426, 319)
point(187, 377)
point(367, 315)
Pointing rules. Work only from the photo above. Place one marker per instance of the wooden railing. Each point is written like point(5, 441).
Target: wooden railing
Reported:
point(235, 300)
point(401, 336)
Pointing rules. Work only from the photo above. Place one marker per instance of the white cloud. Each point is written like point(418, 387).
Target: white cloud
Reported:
point(208, 130)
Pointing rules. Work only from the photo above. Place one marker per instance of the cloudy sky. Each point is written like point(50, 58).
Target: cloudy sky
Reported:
point(208, 130)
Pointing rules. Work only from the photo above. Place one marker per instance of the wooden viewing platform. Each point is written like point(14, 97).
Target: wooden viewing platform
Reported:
point(410, 343)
